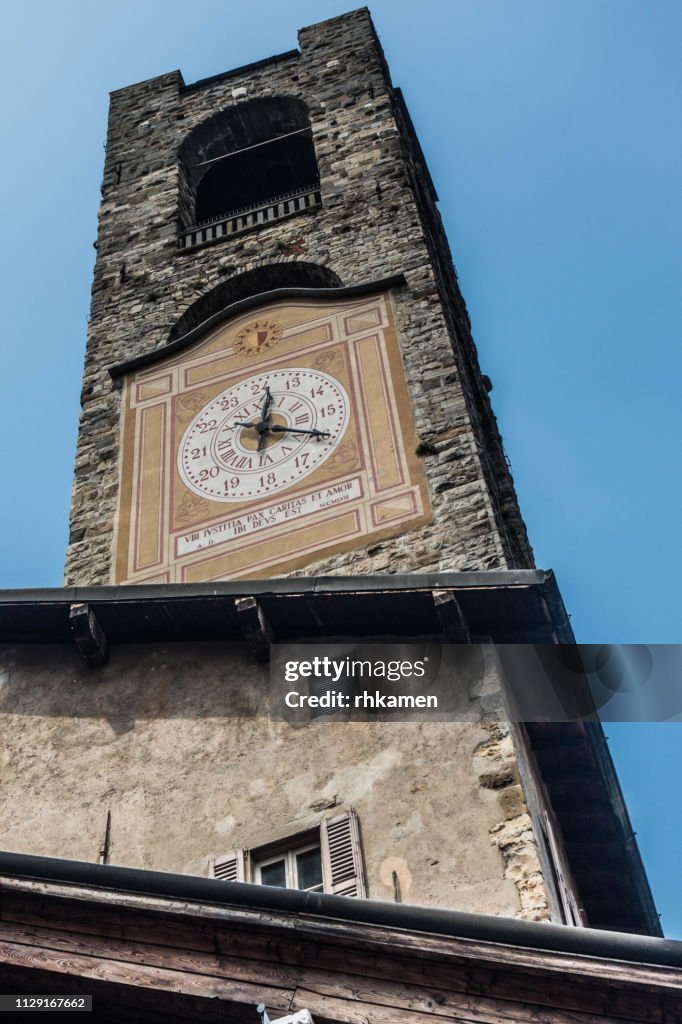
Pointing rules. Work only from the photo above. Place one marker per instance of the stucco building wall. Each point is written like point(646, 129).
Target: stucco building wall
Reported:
point(176, 742)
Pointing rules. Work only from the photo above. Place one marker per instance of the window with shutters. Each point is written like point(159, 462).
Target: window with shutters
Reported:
point(296, 868)
point(326, 859)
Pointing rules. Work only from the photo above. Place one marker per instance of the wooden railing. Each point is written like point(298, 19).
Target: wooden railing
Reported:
point(233, 223)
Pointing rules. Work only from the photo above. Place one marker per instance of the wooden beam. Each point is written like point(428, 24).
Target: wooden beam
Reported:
point(112, 1004)
point(129, 926)
point(255, 628)
point(126, 973)
point(451, 617)
point(337, 989)
point(89, 636)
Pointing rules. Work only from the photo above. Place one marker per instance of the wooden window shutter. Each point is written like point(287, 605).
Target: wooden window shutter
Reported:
point(572, 912)
point(230, 867)
point(342, 868)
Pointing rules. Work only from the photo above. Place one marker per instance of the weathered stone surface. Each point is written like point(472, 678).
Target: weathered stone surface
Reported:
point(495, 765)
point(378, 218)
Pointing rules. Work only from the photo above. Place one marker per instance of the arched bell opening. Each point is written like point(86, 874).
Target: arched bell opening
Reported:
point(255, 176)
point(256, 156)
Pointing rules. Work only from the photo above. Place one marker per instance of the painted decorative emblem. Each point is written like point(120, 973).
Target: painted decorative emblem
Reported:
point(256, 337)
point(263, 435)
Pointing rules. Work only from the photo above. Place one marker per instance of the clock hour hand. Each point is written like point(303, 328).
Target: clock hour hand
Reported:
point(261, 428)
point(295, 430)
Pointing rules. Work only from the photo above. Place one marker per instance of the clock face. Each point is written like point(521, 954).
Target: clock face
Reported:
point(220, 456)
point(281, 437)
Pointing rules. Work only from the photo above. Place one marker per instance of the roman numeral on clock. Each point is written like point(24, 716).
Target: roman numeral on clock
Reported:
point(262, 437)
point(226, 450)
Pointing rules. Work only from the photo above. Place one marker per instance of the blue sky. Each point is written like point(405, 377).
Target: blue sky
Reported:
point(552, 129)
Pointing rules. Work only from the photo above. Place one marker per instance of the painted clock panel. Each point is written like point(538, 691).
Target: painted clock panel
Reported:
point(280, 438)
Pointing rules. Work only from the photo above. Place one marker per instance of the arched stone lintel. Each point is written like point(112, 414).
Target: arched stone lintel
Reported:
point(250, 302)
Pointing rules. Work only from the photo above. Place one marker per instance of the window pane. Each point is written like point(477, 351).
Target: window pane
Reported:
point(309, 869)
point(273, 874)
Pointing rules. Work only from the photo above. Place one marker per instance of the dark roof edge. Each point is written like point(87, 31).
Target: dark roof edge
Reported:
point(147, 358)
point(202, 83)
point(282, 585)
point(627, 836)
point(456, 924)
point(557, 610)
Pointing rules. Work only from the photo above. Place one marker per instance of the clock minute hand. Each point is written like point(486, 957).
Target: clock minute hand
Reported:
point(266, 406)
point(254, 426)
point(296, 430)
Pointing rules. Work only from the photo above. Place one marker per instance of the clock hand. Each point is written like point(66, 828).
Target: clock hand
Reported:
point(266, 406)
point(264, 413)
point(262, 429)
point(295, 430)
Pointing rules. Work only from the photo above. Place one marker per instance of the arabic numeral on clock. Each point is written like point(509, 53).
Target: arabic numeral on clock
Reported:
point(206, 425)
point(211, 473)
point(317, 392)
point(229, 402)
point(198, 453)
point(231, 484)
point(329, 410)
point(293, 382)
point(301, 460)
point(267, 480)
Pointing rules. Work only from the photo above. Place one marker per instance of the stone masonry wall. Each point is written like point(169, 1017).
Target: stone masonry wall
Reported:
point(377, 220)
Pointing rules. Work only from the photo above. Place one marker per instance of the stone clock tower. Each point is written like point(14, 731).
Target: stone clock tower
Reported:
point(280, 376)
point(281, 382)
